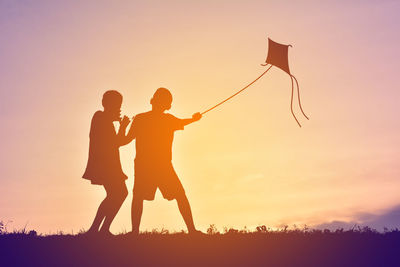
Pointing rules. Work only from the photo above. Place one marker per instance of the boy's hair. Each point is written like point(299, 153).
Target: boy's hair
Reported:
point(162, 94)
point(110, 98)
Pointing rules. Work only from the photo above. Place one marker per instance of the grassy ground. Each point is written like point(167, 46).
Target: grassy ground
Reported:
point(357, 247)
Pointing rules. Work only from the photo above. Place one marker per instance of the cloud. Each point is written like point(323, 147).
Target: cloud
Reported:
point(389, 219)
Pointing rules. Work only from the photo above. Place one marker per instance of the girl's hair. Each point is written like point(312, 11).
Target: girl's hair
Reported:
point(110, 98)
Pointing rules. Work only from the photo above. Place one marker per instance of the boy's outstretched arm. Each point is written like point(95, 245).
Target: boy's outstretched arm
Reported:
point(122, 138)
point(195, 117)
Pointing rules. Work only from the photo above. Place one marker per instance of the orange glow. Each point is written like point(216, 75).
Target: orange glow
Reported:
point(245, 163)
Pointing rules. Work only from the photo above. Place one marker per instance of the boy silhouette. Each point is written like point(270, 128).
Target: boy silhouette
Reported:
point(154, 133)
point(104, 166)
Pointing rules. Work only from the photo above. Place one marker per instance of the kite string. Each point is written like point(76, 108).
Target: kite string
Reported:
point(291, 103)
point(298, 96)
point(238, 92)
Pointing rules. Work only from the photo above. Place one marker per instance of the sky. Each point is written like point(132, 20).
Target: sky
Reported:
point(246, 163)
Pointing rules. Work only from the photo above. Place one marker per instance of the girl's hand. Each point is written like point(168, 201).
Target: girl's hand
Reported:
point(124, 122)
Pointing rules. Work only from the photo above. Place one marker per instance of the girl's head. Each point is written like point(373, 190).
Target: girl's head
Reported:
point(112, 101)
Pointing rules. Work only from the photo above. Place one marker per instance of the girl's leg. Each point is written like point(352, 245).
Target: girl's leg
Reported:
point(100, 215)
point(117, 193)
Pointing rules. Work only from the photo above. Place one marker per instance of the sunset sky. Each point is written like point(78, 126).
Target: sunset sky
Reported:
point(246, 163)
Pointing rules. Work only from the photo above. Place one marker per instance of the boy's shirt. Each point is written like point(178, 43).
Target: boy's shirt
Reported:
point(104, 163)
point(154, 133)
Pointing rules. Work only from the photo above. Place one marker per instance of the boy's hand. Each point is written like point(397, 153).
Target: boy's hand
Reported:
point(124, 122)
point(196, 116)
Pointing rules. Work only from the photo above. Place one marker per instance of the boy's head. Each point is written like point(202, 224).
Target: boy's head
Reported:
point(112, 101)
point(162, 99)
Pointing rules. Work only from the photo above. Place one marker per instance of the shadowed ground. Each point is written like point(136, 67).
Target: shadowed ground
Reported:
point(362, 247)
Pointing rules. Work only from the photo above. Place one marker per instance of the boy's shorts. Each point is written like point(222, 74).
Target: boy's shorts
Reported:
point(150, 176)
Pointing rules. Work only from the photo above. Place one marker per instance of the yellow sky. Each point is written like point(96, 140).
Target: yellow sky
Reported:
point(245, 163)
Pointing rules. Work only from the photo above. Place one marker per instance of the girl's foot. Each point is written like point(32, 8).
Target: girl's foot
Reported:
point(91, 232)
point(106, 233)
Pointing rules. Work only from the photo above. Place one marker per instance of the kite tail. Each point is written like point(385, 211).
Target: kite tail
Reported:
point(298, 95)
point(291, 103)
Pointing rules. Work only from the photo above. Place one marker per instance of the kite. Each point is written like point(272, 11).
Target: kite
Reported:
point(278, 57)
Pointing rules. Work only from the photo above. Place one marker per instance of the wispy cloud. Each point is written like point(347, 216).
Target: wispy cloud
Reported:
point(389, 219)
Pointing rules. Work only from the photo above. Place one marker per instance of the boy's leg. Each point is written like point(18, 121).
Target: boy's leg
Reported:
point(136, 213)
point(117, 195)
point(171, 188)
point(184, 208)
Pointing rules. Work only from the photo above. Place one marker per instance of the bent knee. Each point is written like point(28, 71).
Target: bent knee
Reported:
point(124, 193)
point(120, 195)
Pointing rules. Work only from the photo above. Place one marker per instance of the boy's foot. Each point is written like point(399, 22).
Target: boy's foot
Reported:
point(133, 234)
point(196, 233)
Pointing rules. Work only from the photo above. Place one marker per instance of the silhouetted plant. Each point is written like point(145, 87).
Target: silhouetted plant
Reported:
point(232, 231)
point(212, 230)
point(164, 231)
point(392, 230)
point(327, 231)
point(284, 228)
point(3, 227)
point(32, 233)
point(262, 229)
point(339, 230)
point(244, 230)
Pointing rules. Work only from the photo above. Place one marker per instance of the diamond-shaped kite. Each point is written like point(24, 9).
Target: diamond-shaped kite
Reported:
point(277, 56)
